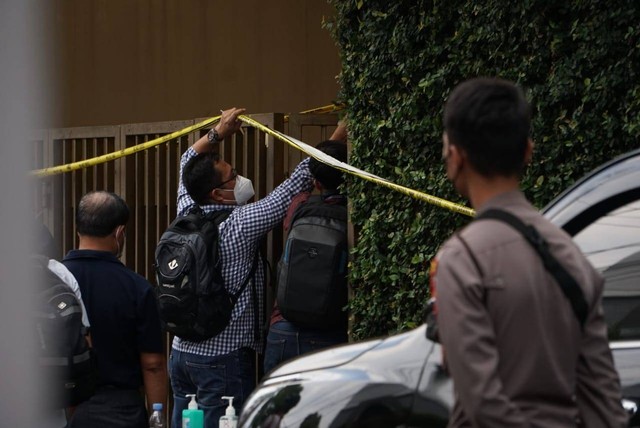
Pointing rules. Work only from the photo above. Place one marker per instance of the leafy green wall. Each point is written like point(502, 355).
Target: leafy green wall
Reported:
point(579, 62)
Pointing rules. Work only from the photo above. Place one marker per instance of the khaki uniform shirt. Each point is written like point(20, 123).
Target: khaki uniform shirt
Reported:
point(512, 342)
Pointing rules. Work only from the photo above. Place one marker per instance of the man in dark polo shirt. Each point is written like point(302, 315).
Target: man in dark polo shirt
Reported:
point(125, 327)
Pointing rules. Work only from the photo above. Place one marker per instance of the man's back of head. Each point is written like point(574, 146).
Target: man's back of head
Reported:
point(489, 119)
point(99, 213)
point(329, 177)
point(200, 177)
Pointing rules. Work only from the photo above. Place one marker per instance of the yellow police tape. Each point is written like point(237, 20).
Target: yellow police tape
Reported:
point(310, 150)
point(322, 157)
point(331, 108)
point(144, 146)
point(124, 152)
point(325, 109)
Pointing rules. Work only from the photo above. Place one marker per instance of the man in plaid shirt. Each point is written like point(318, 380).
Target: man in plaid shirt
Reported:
point(224, 364)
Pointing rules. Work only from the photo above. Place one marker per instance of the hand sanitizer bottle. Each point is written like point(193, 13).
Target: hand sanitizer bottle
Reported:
point(192, 417)
point(229, 420)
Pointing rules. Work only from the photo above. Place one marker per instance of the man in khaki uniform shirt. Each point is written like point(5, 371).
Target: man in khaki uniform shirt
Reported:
point(512, 342)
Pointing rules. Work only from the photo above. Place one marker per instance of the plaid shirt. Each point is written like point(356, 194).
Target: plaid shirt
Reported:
point(240, 235)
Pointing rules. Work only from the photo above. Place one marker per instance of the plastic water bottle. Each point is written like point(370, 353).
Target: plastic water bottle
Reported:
point(157, 417)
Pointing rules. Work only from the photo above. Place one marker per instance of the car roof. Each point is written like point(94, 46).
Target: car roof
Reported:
point(606, 188)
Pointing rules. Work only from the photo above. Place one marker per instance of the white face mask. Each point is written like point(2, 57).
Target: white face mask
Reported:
point(242, 190)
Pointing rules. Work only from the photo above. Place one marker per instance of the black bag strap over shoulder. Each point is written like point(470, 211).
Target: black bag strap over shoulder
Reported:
point(567, 283)
point(254, 297)
point(218, 217)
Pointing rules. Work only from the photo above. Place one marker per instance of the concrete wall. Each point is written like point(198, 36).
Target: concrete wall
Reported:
point(129, 61)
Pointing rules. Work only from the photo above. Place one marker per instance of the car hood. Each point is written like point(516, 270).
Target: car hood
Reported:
point(331, 357)
point(376, 349)
point(340, 383)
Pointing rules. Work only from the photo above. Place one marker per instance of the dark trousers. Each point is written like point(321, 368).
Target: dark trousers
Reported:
point(286, 341)
point(111, 408)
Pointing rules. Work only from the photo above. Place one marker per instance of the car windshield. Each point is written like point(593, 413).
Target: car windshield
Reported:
point(612, 245)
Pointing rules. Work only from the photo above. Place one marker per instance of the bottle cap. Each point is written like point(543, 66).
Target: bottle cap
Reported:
point(230, 411)
point(157, 406)
point(193, 405)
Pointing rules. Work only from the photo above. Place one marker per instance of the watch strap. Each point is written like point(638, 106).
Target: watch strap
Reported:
point(213, 136)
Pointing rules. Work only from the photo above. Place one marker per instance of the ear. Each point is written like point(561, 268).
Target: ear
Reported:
point(216, 196)
point(445, 145)
point(317, 184)
point(528, 153)
point(455, 155)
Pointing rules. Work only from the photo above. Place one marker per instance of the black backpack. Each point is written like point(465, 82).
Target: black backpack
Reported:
point(312, 272)
point(193, 302)
point(65, 356)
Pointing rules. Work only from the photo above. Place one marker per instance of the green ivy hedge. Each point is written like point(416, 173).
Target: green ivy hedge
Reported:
point(578, 62)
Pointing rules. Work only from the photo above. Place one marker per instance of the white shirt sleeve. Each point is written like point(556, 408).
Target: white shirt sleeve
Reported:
point(67, 277)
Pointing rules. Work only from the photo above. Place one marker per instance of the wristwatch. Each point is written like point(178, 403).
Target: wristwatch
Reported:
point(213, 136)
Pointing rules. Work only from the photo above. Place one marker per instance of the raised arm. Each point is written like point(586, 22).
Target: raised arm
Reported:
point(340, 134)
point(228, 125)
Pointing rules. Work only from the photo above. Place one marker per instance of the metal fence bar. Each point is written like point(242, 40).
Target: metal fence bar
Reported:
point(64, 190)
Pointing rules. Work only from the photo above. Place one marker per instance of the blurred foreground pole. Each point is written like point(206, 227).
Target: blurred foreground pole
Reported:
point(22, 104)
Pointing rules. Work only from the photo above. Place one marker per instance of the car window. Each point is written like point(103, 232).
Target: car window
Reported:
point(612, 245)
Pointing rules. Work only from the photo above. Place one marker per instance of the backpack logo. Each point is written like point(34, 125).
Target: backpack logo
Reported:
point(173, 264)
point(62, 305)
point(312, 253)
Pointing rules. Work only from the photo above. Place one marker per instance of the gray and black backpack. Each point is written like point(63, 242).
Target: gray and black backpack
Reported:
point(64, 353)
point(312, 272)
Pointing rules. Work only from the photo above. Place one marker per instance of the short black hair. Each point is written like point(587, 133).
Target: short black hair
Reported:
point(100, 212)
point(490, 119)
point(200, 177)
point(330, 177)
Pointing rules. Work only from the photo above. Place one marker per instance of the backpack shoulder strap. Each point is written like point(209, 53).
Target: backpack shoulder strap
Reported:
point(218, 216)
point(567, 283)
point(235, 297)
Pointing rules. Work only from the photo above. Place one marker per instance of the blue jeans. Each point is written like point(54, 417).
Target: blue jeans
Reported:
point(286, 341)
point(210, 378)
